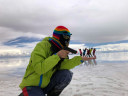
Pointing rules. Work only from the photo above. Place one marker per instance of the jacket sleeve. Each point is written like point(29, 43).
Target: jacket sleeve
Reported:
point(42, 62)
point(71, 63)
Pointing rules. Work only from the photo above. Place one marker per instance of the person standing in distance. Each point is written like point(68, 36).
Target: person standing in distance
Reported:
point(80, 52)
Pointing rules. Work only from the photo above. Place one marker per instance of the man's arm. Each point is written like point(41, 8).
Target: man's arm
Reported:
point(75, 61)
point(71, 63)
point(41, 61)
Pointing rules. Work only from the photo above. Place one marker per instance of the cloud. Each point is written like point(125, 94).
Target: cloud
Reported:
point(88, 20)
point(23, 42)
point(113, 47)
point(7, 34)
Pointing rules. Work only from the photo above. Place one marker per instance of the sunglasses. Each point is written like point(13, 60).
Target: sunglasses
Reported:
point(66, 36)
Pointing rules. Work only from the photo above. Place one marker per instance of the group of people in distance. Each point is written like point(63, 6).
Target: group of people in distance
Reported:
point(87, 52)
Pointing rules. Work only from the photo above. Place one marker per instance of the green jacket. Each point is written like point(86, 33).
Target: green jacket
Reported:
point(40, 67)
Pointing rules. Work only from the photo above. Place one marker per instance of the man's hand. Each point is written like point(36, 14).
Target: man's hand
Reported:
point(88, 58)
point(63, 53)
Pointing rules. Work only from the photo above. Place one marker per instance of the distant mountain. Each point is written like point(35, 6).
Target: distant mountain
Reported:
point(21, 40)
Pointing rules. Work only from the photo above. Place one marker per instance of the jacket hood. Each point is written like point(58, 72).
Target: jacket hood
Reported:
point(46, 38)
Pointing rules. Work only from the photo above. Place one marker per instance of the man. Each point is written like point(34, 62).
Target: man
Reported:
point(88, 52)
point(80, 52)
point(94, 50)
point(91, 51)
point(84, 52)
point(48, 68)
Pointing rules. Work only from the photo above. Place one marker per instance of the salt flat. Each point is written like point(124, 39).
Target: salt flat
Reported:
point(106, 77)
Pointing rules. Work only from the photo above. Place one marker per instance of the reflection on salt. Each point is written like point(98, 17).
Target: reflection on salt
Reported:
point(13, 66)
point(118, 56)
point(9, 66)
point(13, 62)
point(90, 62)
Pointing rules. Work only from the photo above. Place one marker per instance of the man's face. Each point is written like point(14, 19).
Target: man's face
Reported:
point(65, 39)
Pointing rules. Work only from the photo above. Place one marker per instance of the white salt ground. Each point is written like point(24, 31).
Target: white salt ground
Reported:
point(106, 79)
point(100, 80)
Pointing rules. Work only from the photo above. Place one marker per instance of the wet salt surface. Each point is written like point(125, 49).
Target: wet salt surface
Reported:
point(106, 77)
point(100, 80)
